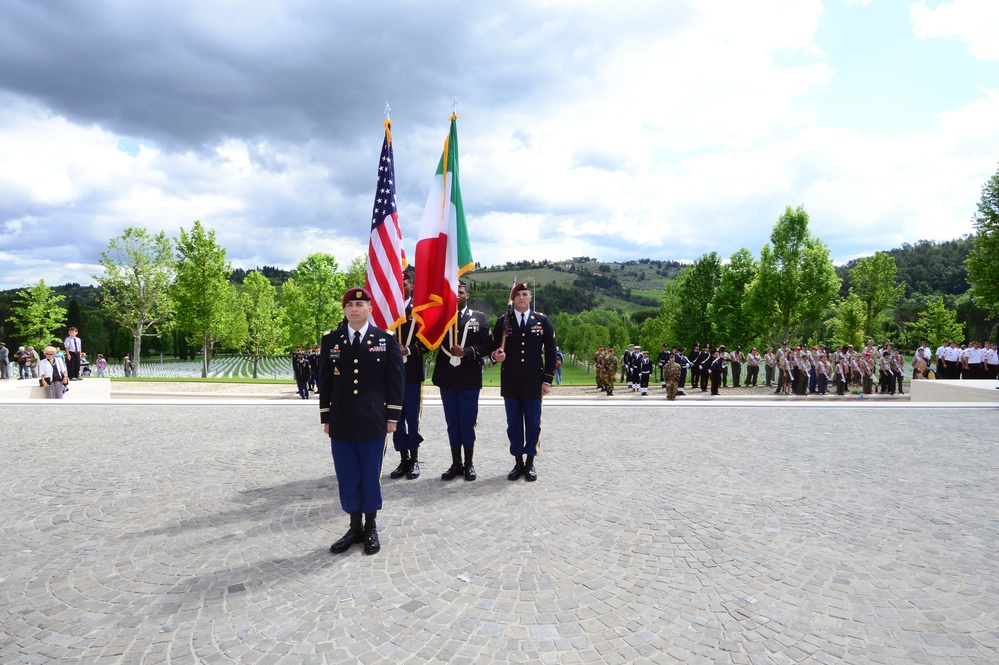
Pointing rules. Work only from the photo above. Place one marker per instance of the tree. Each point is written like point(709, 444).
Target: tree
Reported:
point(206, 303)
point(685, 303)
point(135, 286)
point(264, 318)
point(874, 283)
point(730, 322)
point(652, 337)
point(847, 324)
point(984, 256)
point(311, 299)
point(795, 282)
point(357, 273)
point(937, 323)
point(38, 314)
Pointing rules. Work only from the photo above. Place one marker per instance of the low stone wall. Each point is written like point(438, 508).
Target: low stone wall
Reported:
point(954, 391)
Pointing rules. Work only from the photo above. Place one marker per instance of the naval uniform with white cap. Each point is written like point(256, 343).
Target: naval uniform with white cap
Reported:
point(525, 377)
point(361, 382)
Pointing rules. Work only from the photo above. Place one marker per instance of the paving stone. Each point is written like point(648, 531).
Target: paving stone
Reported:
point(721, 533)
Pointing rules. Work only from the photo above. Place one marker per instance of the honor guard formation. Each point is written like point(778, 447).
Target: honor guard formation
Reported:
point(370, 384)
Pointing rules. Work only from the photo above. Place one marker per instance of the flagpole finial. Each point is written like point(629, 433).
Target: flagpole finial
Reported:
point(454, 108)
point(388, 111)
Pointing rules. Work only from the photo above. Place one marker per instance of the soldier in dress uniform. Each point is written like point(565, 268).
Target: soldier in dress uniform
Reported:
point(636, 364)
point(695, 366)
point(309, 355)
point(661, 362)
point(407, 438)
point(303, 374)
point(644, 371)
point(684, 362)
point(708, 357)
point(524, 341)
point(717, 367)
point(361, 383)
point(458, 374)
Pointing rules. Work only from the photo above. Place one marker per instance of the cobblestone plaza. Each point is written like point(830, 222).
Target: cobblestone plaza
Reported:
point(660, 533)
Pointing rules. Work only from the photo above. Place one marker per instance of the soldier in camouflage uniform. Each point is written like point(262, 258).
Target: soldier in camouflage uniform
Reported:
point(611, 370)
point(671, 372)
point(598, 364)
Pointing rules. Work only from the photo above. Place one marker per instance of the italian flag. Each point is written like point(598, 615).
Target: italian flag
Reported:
point(443, 253)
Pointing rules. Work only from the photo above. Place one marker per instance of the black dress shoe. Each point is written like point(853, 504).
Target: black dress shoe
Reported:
point(470, 472)
point(453, 472)
point(531, 474)
point(515, 471)
point(400, 470)
point(352, 536)
point(413, 474)
point(371, 544)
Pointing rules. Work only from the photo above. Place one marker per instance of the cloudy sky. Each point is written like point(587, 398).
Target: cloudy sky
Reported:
point(617, 130)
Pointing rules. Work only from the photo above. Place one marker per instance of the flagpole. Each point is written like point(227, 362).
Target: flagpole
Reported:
point(509, 316)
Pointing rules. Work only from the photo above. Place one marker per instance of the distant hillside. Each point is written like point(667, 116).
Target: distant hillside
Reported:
point(927, 267)
point(579, 284)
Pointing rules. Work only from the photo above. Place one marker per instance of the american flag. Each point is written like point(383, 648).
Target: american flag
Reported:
point(386, 256)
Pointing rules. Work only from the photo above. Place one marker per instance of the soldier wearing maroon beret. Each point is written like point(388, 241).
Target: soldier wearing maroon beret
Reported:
point(524, 341)
point(361, 382)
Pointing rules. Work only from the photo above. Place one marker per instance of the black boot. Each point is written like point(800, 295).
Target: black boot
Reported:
point(354, 535)
point(529, 471)
point(469, 469)
point(371, 544)
point(517, 470)
point(456, 468)
point(403, 467)
point(414, 466)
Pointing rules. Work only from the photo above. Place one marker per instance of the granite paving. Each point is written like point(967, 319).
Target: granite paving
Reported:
point(661, 533)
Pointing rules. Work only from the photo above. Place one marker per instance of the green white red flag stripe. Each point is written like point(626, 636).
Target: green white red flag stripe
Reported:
point(443, 251)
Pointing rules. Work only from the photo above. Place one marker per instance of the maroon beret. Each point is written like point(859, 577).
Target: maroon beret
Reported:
point(355, 293)
point(519, 286)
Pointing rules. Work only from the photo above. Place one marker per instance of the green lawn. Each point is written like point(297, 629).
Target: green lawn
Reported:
point(571, 376)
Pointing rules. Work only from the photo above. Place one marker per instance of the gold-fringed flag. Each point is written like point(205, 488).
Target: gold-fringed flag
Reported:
point(443, 252)
point(386, 256)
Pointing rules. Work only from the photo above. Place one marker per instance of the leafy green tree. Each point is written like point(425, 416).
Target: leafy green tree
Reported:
point(796, 281)
point(873, 280)
point(653, 336)
point(206, 303)
point(311, 299)
point(730, 322)
point(983, 262)
point(134, 289)
point(38, 314)
point(357, 273)
point(686, 300)
point(264, 319)
point(847, 324)
point(937, 323)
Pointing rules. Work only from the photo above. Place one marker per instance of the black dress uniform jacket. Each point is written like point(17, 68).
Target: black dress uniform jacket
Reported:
point(359, 394)
point(477, 346)
point(530, 355)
